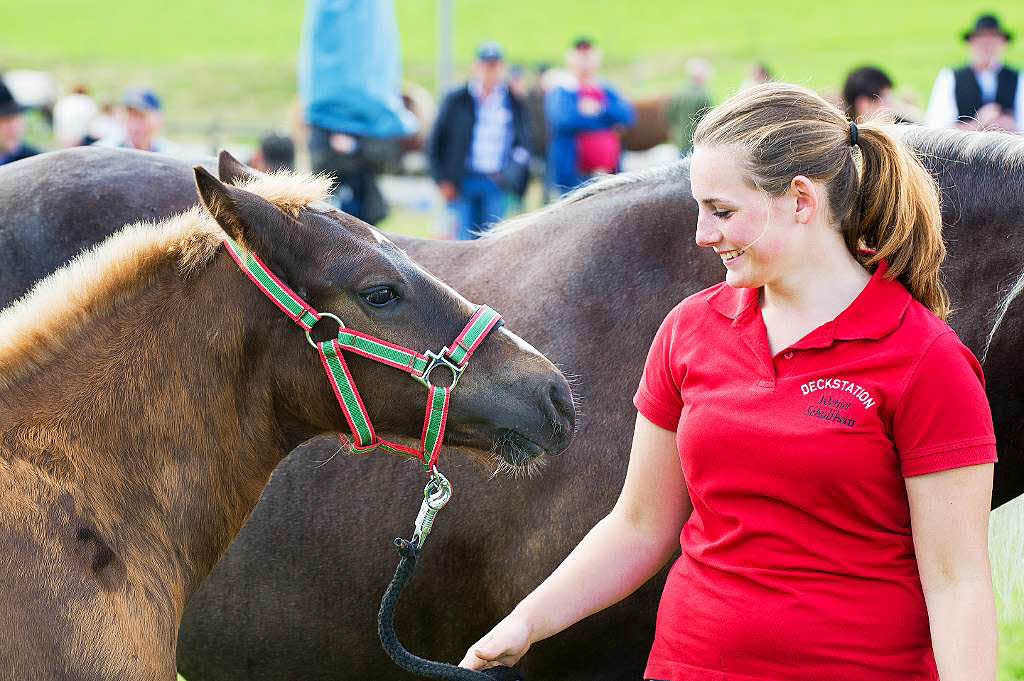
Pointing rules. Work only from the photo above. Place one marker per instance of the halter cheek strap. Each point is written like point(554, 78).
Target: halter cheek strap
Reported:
point(418, 365)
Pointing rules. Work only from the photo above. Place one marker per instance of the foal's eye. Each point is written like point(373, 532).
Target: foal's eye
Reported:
point(379, 296)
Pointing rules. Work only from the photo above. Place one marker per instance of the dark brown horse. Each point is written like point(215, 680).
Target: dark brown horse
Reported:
point(650, 124)
point(148, 389)
point(590, 279)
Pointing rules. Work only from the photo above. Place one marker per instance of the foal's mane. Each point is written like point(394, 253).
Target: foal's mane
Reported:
point(44, 322)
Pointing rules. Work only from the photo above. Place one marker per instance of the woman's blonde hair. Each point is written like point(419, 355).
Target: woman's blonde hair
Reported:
point(885, 201)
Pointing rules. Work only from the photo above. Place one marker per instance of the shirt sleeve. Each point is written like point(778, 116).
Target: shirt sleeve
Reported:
point(942, 111)
point(943, 419)
point(658, 397)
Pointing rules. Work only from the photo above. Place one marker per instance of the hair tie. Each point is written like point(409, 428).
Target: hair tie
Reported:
point(854, 135)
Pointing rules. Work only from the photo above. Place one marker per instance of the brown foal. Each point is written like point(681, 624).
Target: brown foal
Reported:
point(148, 389)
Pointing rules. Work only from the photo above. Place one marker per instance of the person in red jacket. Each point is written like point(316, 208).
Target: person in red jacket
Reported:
point(810, 431)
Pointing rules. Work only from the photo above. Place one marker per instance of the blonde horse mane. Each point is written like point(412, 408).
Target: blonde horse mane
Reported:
point(43, 323)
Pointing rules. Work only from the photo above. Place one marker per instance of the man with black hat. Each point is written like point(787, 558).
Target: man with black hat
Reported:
point(479, 145)
point(12, 129)
point(985, 93)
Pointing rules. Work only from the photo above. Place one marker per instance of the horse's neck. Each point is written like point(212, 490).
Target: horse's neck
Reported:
point(648, 224)
point(158, 426)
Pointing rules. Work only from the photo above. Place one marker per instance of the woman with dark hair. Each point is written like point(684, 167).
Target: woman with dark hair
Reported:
point(867, 93)
point(867, 90)
point(810, 430)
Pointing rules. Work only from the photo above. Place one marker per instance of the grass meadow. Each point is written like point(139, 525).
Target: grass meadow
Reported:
point(232, 63)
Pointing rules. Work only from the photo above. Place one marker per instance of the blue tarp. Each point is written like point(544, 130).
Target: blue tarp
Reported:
point(350, 68)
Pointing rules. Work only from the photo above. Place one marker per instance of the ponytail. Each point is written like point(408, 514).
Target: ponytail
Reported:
point(897, 216)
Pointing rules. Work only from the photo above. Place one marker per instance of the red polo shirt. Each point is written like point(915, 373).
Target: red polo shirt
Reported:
point(798, 562)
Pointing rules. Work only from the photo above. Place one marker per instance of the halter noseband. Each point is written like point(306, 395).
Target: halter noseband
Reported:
point(418, 365)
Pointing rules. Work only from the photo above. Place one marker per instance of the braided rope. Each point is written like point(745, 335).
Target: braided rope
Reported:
point(397, 652)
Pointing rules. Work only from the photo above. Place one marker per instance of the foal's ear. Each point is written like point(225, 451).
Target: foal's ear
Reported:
point(233, 171)
point(247, 218)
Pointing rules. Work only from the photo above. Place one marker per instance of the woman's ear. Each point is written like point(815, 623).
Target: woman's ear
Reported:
point(807, 199)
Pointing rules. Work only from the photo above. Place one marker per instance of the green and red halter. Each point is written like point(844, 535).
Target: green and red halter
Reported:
point(418, 365)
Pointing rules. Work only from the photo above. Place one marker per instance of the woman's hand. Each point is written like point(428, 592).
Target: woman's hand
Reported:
point(625, 549)
point(501, 646)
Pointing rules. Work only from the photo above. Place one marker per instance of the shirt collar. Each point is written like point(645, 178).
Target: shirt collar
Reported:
point(876, 312)
point(476, 90)
point(994, 69)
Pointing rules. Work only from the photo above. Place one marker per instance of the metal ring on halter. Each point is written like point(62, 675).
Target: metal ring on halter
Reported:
point(341, 325)
point(436, 360)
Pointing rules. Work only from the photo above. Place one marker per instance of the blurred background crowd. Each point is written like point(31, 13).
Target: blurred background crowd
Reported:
point(510, 136)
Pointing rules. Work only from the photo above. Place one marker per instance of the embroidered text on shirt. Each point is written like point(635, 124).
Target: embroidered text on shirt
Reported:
point(835, 383)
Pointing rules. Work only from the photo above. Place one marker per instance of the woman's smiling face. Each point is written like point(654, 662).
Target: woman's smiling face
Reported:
point(746, 227)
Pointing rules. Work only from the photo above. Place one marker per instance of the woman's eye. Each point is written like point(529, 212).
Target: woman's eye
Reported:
point(379, 296)
point(723, 214)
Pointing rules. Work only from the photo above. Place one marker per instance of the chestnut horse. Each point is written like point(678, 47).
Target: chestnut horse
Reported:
point(148, 389)
point(590, 278)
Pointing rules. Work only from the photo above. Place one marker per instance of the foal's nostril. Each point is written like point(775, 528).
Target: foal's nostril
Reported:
point(560, 410)
point(562, 402)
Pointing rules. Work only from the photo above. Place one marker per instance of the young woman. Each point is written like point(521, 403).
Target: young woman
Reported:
point(814, 429)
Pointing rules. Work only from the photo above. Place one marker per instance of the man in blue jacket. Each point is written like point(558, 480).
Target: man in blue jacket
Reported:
point(479, 145)
point(584, 118)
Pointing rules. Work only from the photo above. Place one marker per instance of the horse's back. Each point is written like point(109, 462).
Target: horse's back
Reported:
point(60, 203)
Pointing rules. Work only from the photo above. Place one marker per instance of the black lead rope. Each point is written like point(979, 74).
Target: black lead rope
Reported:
point(410, 552)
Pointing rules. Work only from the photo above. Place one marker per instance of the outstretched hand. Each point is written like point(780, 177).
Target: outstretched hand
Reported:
point(503, 645)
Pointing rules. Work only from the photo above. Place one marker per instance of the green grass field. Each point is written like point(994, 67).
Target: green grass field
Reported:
point(232, 62)
point(1011, 651)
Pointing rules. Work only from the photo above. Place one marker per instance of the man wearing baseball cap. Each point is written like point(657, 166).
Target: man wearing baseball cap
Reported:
point(985, 93)
point(12, 129)
point(478, 147)
point(143, 120)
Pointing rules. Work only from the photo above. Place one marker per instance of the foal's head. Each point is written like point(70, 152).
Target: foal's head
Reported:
point(510, 400)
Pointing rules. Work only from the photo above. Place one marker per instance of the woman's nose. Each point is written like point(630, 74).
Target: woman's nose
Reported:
point(706, 235)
